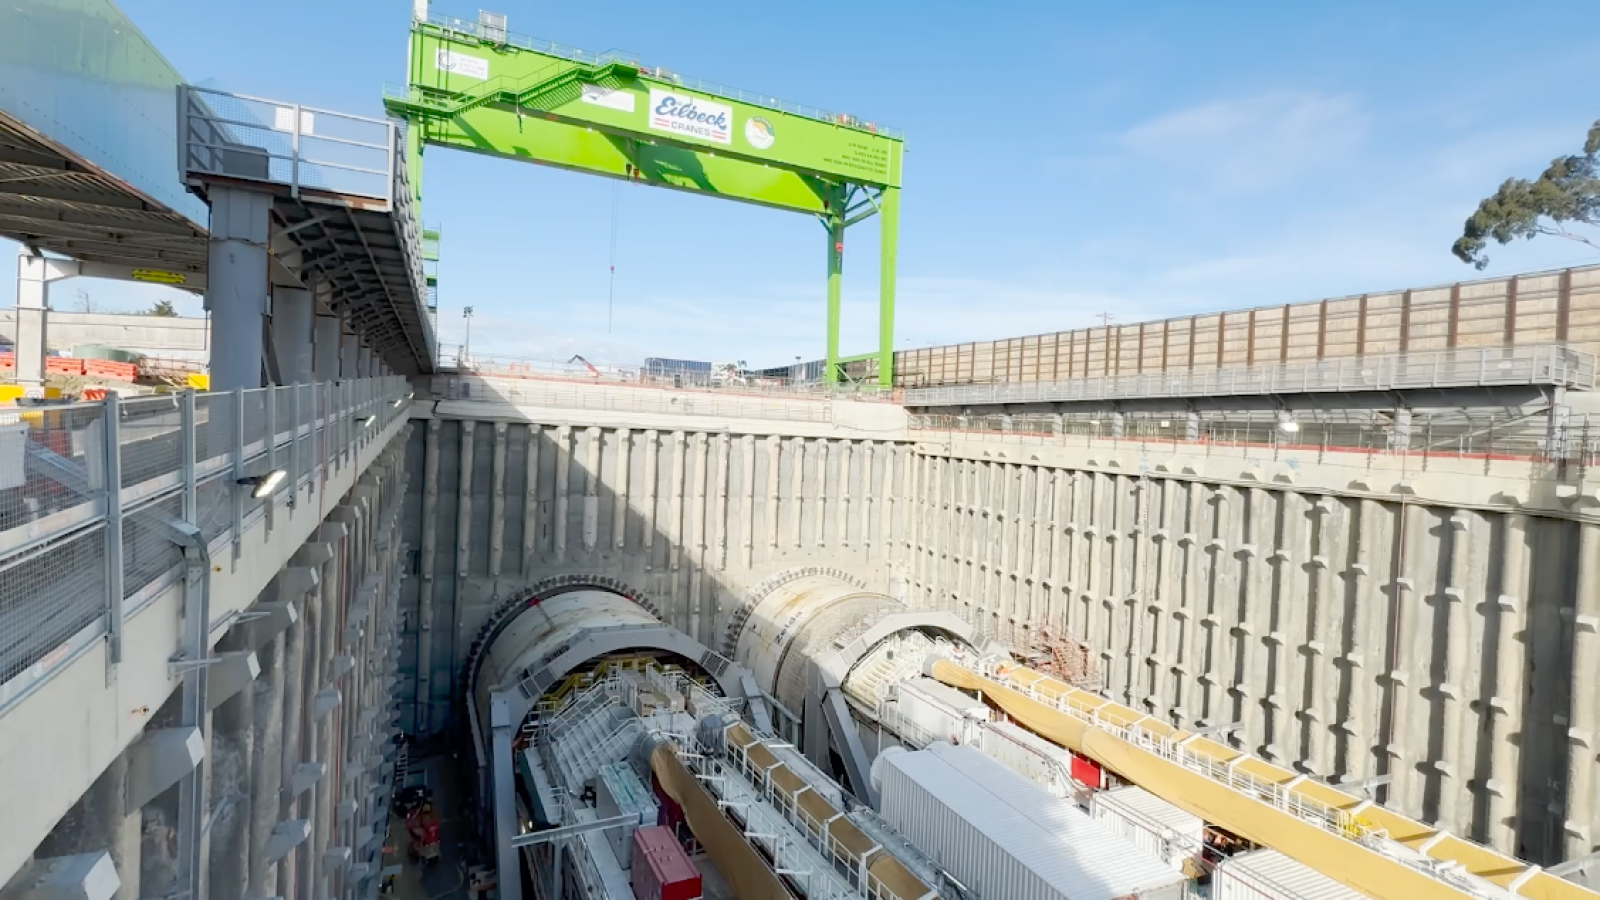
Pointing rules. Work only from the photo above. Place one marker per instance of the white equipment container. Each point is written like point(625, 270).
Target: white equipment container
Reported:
point(1269, 875)
point(922, 710)
point(1003, 836)
point(1161, 829)
point(1030, 756)
point(619, 792)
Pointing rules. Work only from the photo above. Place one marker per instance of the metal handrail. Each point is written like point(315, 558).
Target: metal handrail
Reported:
point(1545, 364)
point(474, 30)
point(302, 430)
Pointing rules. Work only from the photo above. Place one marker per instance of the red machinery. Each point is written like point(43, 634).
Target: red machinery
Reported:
point(423, 828)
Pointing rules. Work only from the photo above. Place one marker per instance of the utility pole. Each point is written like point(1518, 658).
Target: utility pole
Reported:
point(466, 343)
point(1105, 319)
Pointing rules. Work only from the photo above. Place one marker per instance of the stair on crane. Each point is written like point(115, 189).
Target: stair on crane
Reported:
point(537, 92)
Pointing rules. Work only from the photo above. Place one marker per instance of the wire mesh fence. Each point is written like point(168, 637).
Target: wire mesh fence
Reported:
point(47, 595)
point(52, 461)
point(148, 553)
point(62, 481)
point(150, 430)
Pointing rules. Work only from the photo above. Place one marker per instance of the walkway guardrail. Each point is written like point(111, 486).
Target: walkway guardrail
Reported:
point(1549, 364)
point(85, 490)
point(303, 147)
point(635, 399)
point(354, 165)
point(452, 357)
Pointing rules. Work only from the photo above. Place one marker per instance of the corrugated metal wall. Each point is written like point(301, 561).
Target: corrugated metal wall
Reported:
point(1542, 308)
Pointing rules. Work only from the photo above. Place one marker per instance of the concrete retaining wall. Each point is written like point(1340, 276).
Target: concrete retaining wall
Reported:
point(1360, 615)
point(691, 519)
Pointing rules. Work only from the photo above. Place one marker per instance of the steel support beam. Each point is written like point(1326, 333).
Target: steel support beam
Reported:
point(501, 728)
point(848, 742)
point(292, 333)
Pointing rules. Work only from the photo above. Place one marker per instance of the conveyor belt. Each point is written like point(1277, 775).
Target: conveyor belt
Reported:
point(1365, 846)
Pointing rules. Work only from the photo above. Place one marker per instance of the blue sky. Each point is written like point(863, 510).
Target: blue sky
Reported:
point(1064, 159)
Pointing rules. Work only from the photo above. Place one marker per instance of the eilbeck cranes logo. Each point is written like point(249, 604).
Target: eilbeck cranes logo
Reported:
point(759, 132)
point(691, 116)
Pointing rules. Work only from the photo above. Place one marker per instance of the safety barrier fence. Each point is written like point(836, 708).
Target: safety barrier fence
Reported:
point(496, 32)
point(641, 400)
point(87, 492)
point(452, 357)
point(353, 161)
point(1544, 364)
point(1489, 435)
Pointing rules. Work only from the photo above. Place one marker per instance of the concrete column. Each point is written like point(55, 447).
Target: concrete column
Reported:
point(1327, 628)
point(1282, 606)
point(746, 500)
point(229, 762)
point(1510, 666)
point(102, 820)
point(819, 516)
point(1362, 664)
point(1405, 793)
point(563, 487)
point(292, 663)
point(325, 354)
point(1584, 716)
point(591, 489)
point(1400, 434)
point(292, 333)
point(1253, 618)
point(463, 557)
point(1192, 670)
point(422, 714)
point(1556, 427)
point(366, 363)
point(697, 535)
point(1191, 426)
point(497, 501)
point(1117, 425)
point(33, 313)
point(236, 294)
point(267, 764)
point(1454, 763)
point(349, 353)
point(530, 502)
point(719, 513)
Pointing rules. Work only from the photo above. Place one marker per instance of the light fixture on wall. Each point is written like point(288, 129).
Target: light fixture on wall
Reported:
point(263, 485)
point(1287, 424)
point(369, 421)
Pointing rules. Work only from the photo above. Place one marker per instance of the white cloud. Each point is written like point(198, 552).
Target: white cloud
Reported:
point(1242, 144)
